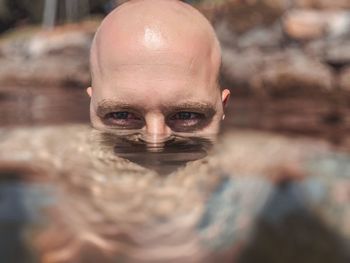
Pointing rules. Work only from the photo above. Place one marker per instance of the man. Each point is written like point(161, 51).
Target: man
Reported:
point(155, 66)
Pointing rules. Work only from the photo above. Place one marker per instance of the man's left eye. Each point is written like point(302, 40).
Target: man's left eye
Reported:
point(183, 115)
point(121, 115)
point(185, 121)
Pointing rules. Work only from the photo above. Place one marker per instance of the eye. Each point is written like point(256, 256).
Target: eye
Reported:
point(186, 121)
point(121, 115)
point(184, 115)
point(123, 119)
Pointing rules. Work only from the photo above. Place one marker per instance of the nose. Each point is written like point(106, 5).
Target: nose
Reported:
point(157, 131)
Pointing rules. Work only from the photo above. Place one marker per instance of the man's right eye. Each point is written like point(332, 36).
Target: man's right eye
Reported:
point(124, 119)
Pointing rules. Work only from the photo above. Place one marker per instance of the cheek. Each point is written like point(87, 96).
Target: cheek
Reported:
point(216, 121)
point(95, 120)
point(214, 126)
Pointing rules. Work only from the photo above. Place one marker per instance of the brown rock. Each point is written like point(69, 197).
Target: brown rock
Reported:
point(45, 71)
point(337, 53)
point(239, 67)
point(293, 73)
point(324, 4)
point(244, 15)
point(345, 79)
point(312, 24)
point(303, 25)
point(43, 44)
point(56, 58)
point(262, 37)
point(225, 34)
point(48, 43)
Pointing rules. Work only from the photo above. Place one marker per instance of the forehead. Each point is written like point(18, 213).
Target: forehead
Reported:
point(153, 61)
point(168, 68)
point(156, 76)
point(154, 86)
point(167, 39)
point(153, 49)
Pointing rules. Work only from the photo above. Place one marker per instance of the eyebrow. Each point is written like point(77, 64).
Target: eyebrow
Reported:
point(107, 106)
point(201, 107)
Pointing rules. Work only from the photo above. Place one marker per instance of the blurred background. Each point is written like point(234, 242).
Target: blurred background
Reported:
point(287, 62)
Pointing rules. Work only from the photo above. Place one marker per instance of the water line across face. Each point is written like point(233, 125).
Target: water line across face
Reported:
point(164, 155)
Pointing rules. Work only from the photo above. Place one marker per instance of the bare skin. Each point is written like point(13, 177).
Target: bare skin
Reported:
point(155, 66)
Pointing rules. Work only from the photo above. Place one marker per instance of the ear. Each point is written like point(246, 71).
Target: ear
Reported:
point(89, 91)
point(225, 96)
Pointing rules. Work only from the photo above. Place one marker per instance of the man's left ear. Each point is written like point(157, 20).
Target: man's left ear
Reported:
point(225, 96)
point(89, 91)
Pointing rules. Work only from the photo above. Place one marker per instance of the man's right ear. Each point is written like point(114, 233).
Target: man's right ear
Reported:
point(89, 91)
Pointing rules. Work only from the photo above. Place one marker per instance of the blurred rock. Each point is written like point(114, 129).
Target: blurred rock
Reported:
point(65, 40)
point(239, 66)
point(292, 73)
point(322, 4)
point(304, 25)
point(225, 35)
point(62, 54)
point(311, 24)
point(63, 71)
point(278, 74)
point(337, 53)
point(267, 38)
point(316, 48)
point(345, 79)
point(244, 15)
point(46, 44)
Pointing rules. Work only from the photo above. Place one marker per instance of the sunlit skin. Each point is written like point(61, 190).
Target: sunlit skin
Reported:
point(155, 66)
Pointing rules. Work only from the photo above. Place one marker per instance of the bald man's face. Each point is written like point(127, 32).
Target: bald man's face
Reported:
point(155, 82)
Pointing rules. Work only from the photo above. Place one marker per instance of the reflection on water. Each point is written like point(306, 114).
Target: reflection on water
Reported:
point(42, 105)
point(107, 211)
point(22, 205)
point(34, 226)
point(163, 156)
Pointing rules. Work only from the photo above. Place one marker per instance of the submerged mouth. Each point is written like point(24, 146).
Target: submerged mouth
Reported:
point(141, 143)
point(173, 144)
point(171, 151)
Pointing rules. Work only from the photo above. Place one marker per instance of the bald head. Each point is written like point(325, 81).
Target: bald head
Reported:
point(152, 56)
point(143, 28)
